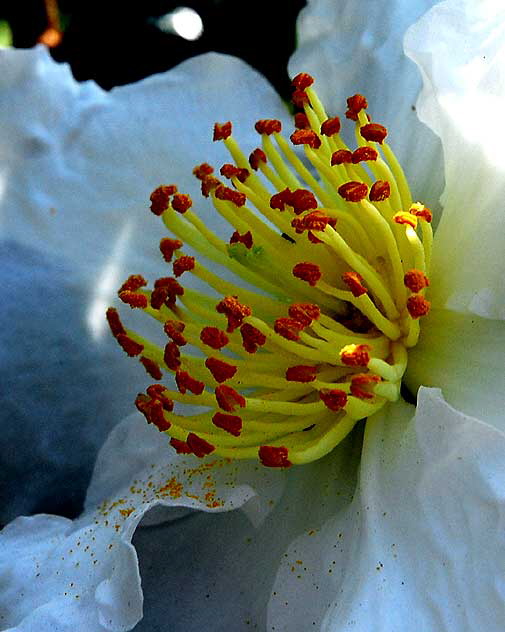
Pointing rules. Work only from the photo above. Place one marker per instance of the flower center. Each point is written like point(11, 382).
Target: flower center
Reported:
point(312, 304)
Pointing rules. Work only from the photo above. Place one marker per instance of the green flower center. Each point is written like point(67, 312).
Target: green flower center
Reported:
point(308, 329)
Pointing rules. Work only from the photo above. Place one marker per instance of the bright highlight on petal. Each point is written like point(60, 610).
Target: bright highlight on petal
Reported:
point(336, 259)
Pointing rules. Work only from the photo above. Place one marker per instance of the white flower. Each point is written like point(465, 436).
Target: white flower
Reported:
point(419, 545)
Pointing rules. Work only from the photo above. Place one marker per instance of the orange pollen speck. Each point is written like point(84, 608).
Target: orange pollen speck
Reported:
point(355, 355)
point(415, 280)
point(353, 281)
point(353, 191)
point(418, 306)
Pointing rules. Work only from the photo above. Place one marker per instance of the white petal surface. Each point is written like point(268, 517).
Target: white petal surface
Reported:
point(63, 575)
point(463, 355)
point(422, 547)
point(216, 572)
point(460, 49)
point(356, 46)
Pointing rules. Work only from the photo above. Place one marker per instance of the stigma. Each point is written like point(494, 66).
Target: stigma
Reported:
point(305, 312)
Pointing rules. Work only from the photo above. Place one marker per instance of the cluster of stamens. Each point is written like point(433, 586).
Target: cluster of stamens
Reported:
point(336, 260)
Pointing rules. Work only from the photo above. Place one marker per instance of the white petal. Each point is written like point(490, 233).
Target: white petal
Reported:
point(84, 575)
point(460, 49)
point(463, 355)
point(61, 391)
point(81, 163)
point(225, 566)
point(354, 46)
point(422, 547)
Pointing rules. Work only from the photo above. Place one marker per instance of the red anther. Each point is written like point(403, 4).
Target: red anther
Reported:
point(418, 306)
point(379, 191)
point(152, 368)
point(131, 347)
point(415, 280)
point(353, 281)
point(222, 130)
point(168, 247)
point(304, 313)
point(422, 213)
point(301, 373)
point(185, 383)
point(362, 154)
point(228, 399)
point(133, 283)
point(272, 456)
point(341, 156)
point(232, 171)
point(142, 403)
point(156, 391)
point(363, 379)
point(172, 285)
point(309, 272)
point(302, 81)
point(115, 324)
point(174, 329)
point(316, 220)
point(245, 239)
point(353, 191)
point(161, 296)
point(312, 238)
point(181, 447)
point(279, 200)
point(355, 355)
point(334, 399)
point(221, 371)
point(156, 416)
point(199, 447)
point(306, 137)
point(214, 337)
point(209, 183)
point(302, 200)
point(234, 311)
point(257, 156)
point(160, 198)
point(288, 328)
point(230, 423)
point(355, 104)
point(300, 98)
point(373, 132)
point(405, 219)
point(225, 193)
point(268, 126)
point(203, 170)
point(171, 356)
point(133, 299)
point(301, 121)
point(252, 338)
point(331, 126)
point(183, 264)
point(181, 202)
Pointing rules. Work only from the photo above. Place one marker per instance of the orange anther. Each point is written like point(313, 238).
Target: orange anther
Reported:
point(301, 373)
point(418, 306)
point(229, 423)
point(362, 154)
point(334, 399)
point(340, 157)
point(309, 272)
point(181, 202)
point(380, 191)
point(355, 104)
point(353, 191)
point(355, 355)
point(228, 398)
point(160, 198)
point(268, 126)
point(353, 281)
point(272, 456)
point(331, 126)
point(222, 130)
point(415, 280)
point(302, 81)
point(199, 447)
point(221, 371)
point(306, 137)
point(373, 132)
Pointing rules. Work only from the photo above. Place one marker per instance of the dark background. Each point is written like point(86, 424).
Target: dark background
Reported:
point(114, 42)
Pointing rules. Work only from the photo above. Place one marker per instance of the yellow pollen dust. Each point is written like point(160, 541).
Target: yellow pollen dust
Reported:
point(312, 301)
